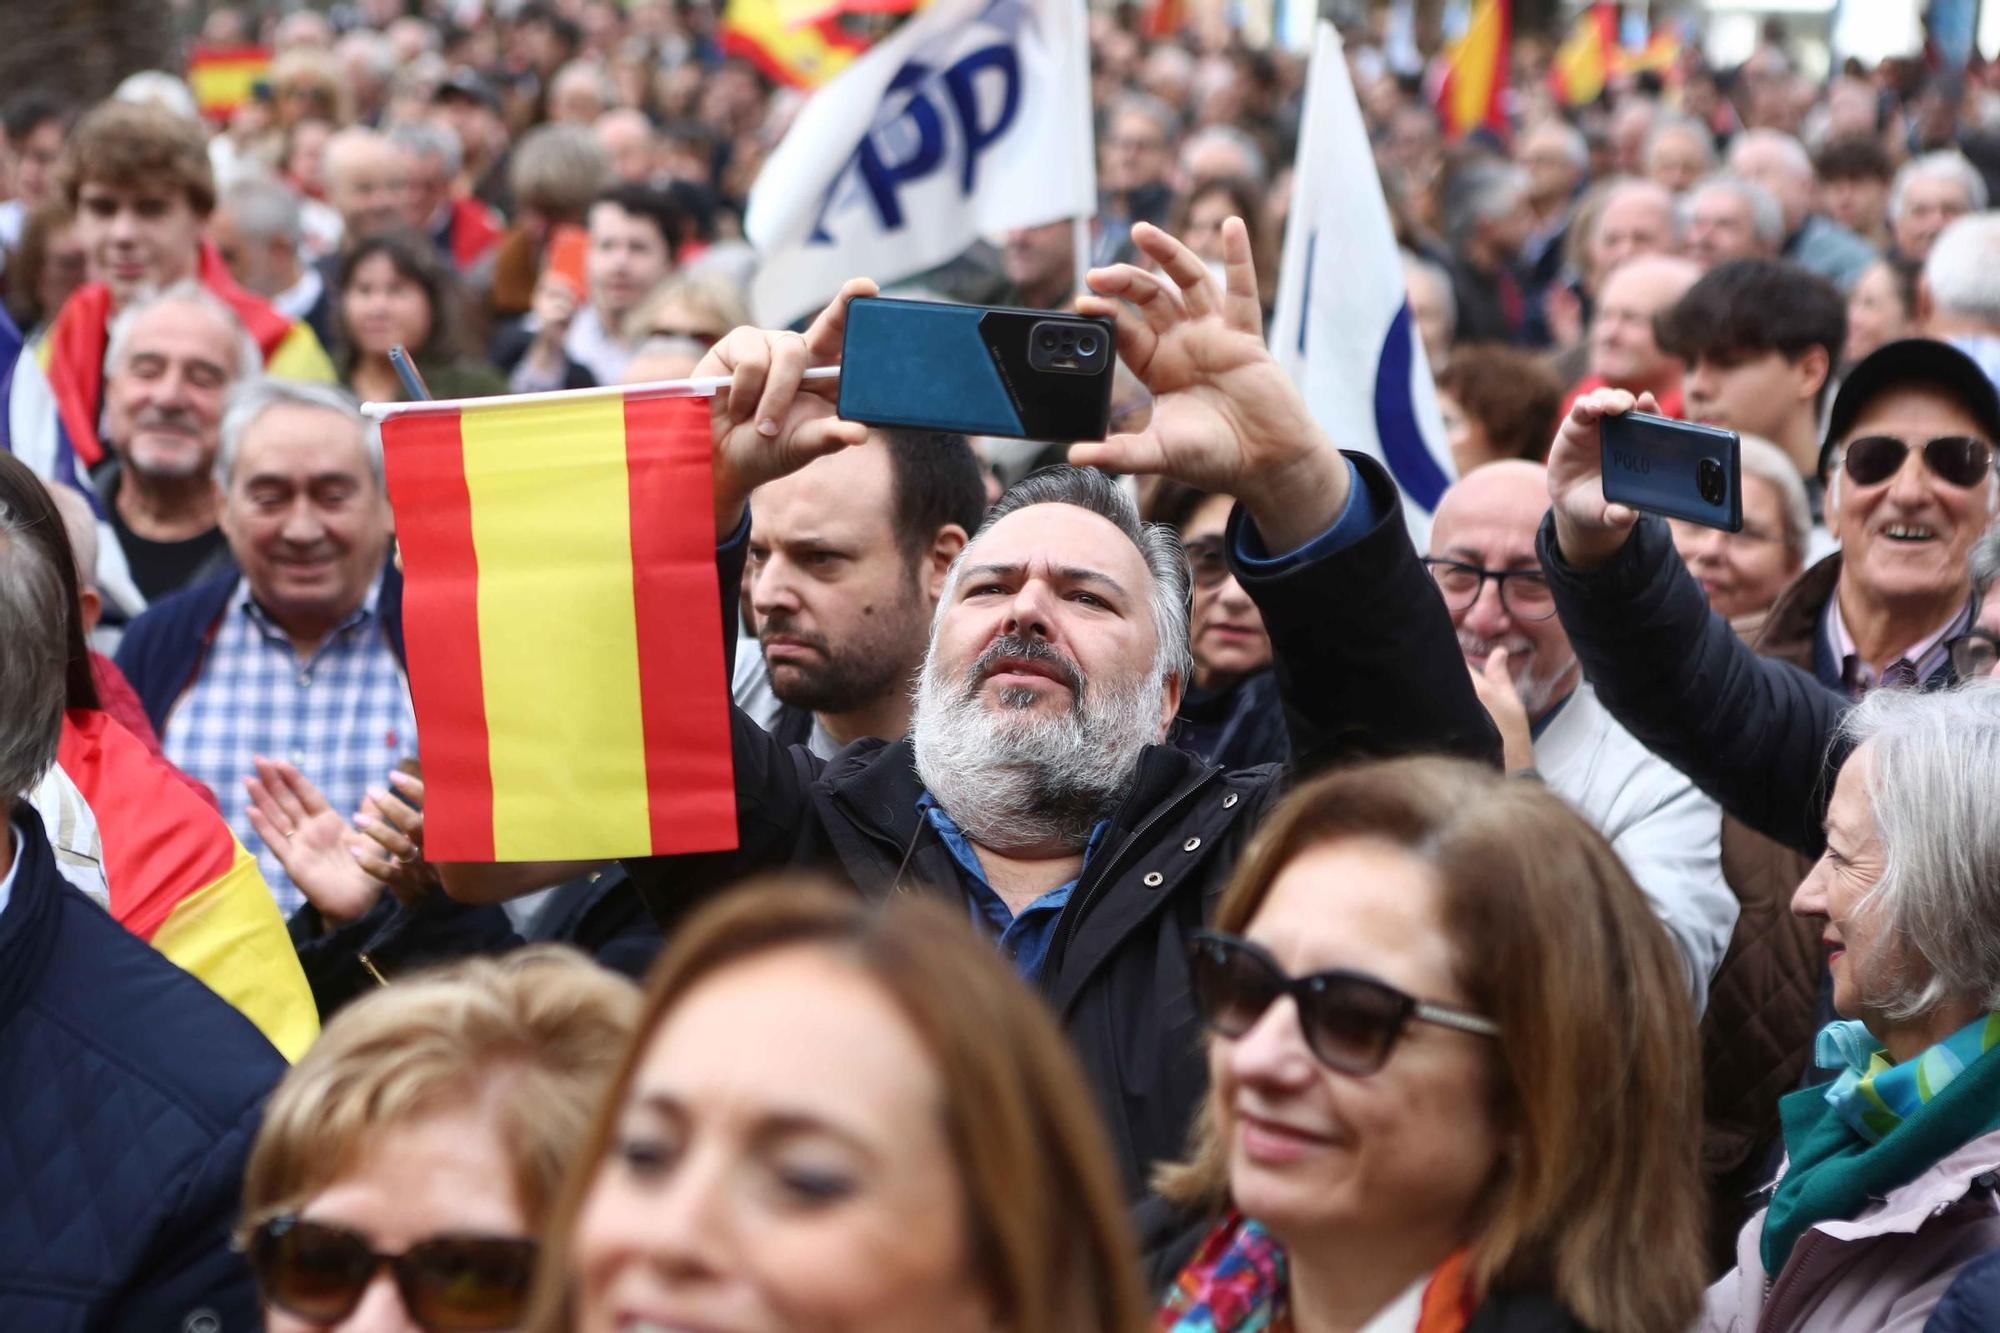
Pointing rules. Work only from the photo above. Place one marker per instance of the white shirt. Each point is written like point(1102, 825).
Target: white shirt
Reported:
point(1667, 833)
point(72, 832)
point(297, 300)
point(1401, 1315)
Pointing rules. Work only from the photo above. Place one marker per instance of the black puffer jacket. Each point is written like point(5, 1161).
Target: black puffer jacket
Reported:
point(1367, 664)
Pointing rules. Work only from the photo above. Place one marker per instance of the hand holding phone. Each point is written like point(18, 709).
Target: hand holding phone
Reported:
point(1589, 527)
point(1676, 468)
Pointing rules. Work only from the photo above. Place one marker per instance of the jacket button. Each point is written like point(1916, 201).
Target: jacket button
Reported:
point(1229, 800)
point(1190, 844)
point(1153, 879)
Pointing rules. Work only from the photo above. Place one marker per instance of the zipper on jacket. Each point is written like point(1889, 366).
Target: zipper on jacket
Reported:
point(1789, 1279)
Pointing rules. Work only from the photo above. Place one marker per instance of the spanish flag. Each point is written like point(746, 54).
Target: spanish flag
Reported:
point(222, 77)
point(801, 55)
point(181, 881)
point(561, 613)
point(1473, 87)
point(1586, 58)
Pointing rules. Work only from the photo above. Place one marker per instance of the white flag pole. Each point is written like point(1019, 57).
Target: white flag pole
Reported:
point(1080, 243)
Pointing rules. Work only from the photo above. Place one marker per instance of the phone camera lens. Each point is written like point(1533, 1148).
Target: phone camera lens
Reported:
point(1708, 480)
point(1086, 346)
point(1048, 341)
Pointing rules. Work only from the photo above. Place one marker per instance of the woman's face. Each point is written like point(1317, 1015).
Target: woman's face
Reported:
point(1465, 434)
point(1859, 952)
point(780, 1165)
point(447, 1174)
point(1226, 629)
point(1875, 314)
point(384, 308)
point(1316, 1155)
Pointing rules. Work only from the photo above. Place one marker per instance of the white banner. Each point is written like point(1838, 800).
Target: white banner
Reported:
point(1342, 326)
point(971, 118)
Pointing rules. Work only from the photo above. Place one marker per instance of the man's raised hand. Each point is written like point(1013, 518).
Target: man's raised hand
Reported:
point(1589, 529)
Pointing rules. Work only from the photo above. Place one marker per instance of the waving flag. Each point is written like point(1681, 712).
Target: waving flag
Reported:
point(1472, 85)
point(1586, 58)
point(181, 881)
point(223, 77)
point(792, 51)
point(1342, 325)
point(560, 609)
point(971, 118)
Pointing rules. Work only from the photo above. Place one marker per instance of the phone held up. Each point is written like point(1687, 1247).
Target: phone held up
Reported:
point(976, 370)
point(1674, 468)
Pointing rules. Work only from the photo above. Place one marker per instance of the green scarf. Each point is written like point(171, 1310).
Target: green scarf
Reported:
point(1878, 1126)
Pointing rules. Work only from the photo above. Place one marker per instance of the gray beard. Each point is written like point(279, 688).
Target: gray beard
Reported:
point(1012, 779)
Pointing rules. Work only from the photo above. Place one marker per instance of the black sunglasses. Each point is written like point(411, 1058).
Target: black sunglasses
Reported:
point(1973, 653)
point(1207, 560)
point(448, 1283)
point(1958, 459)
point(1351, 1021)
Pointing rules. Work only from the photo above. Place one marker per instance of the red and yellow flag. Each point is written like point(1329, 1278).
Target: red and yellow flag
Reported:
point(1583, 63)
point(1472, 91)
point(222, 76)
point(800, 55)
point(560, 610)
point(180, 880)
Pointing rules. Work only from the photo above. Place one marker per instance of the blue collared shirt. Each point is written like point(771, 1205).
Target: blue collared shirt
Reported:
point(1025, 939)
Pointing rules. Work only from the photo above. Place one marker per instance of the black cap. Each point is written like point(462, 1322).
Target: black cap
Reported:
point(465, 81)
point(1924, 362)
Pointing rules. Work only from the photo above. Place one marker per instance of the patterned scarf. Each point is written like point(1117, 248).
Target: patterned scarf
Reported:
point(1236, 1283)
point(1874, 1094)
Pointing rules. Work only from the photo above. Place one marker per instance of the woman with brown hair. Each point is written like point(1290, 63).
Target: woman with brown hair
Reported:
point(841, 1116)
point(1453, 1075)
point(1498, 402)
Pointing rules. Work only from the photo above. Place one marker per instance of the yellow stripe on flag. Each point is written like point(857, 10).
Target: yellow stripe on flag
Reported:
point(1475, 67)
point(551, 525)
point(229, 935)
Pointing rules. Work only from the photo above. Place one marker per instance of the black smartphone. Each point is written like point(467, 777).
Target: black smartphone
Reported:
point(977, 370)
point(1675, 468)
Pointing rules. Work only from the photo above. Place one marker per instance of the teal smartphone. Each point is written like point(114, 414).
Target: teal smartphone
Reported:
point(977, 370)
point(1676, 468)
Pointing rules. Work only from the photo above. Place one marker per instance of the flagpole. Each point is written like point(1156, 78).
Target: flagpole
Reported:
point(705, 387)
point(1080, 241)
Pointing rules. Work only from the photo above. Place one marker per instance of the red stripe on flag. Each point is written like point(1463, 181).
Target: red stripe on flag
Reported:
point(425, 459)
point(684, 696)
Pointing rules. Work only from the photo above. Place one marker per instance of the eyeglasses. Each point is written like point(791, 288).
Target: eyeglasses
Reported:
point(1207, 560)
point(1351, 1021)
point(1958, 459)
point(448, 1283)
point(1462, 584)
point(1973, 653)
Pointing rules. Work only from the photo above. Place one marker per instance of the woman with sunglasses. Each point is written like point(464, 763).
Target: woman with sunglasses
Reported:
point(1230, 714)
point(1453, 1076)
point(837, 1116)
point(407, 1163)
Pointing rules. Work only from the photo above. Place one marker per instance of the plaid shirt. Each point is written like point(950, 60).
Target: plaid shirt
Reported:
point(1915, 666)
point(342, 717)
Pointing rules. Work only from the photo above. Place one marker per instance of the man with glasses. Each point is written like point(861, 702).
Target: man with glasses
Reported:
point(1667, 833)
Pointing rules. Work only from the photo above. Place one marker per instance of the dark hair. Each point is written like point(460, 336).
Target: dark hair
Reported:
point(1852, 157)
point(1905, 276)
point(415, 259)
point(1511, 393)
point(935, 480)
point(29, 112)
point(1750, 306)
point(137, 146)
point(653, 204)
point(23, 496)
point(1172, 503)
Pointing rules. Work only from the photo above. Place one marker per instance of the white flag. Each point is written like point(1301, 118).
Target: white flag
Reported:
point(1342, 326)
point(971, 118)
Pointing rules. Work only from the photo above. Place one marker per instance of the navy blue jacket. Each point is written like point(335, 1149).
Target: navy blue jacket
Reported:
point(131, 1094)
point(162, 651)
point(1971, 1303)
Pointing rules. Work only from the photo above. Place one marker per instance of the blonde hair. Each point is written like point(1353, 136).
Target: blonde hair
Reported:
point(532, 1038)
point(710, 295)
point(1600, 1201)
point(1047, 1238)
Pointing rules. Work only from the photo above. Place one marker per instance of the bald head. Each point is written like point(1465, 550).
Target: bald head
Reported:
point(1622, 347)
point(367, 176)
point(627, 139)
point(1512, 494)
point(1637, 219)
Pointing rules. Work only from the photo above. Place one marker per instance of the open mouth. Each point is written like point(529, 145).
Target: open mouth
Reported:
point(1910, 533)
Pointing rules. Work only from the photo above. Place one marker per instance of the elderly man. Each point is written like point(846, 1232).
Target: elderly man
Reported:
point(1034, 791)
point(1728, 218)
point(629, 140)
point(464, 230)
point(367, 181)
point(1679, 151)
point(1637, 218)
point(1040, 266)
point(1961, 299)
point(171, 364)
point(1623, 350)
point(1667, 833)
point(847, 559)
point(259, 228)
point(1556, 160)
point(299, 657)
point(1928, 195)
point(1136, 157)
point(1813, 241)
point(1488, 221)
point(112, 1055)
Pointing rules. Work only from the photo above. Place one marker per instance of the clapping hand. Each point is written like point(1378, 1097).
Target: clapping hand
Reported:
point(339, 867)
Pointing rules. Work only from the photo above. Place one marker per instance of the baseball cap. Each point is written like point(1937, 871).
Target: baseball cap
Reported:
point(466, 82)
point(1924, 362)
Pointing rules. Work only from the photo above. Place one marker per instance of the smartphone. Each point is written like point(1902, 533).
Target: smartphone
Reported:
point(568, 246)
point(977, 370)
point(1675, 468)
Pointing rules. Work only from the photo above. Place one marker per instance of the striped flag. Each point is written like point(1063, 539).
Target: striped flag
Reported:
point(799, 55)
point(1585, 60)
point(1472, 88)
point(222, 77)
point(560, 609)
point(180, 880)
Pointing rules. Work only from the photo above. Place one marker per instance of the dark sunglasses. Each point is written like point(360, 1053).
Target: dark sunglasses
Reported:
point(1207, 561)
point(448, 1283)
point(1958, 459)
point(1351, 1021)
point(1973, 654)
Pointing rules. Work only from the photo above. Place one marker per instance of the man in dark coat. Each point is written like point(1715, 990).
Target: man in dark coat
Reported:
point(132, 1090)
point(1035, 787)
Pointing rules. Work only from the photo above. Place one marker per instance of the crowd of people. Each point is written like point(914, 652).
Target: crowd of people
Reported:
point(1166, 895)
